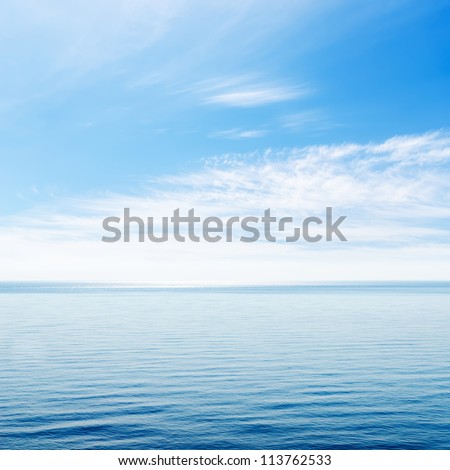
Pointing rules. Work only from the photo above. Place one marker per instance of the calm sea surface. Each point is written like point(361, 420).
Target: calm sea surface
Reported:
point(93, 366)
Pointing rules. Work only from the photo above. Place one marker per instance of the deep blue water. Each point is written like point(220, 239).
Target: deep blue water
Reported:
point(93, 366)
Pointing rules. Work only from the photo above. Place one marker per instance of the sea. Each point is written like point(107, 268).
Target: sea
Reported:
point(312, 366)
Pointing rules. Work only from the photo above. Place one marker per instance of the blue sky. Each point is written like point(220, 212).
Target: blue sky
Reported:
point(105, 98)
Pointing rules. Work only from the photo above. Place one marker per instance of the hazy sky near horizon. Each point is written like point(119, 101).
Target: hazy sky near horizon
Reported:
point(229, 107)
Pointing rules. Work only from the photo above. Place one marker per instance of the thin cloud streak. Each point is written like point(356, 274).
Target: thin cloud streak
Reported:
point(245, 91)
point(255, 96)
point(237, 134)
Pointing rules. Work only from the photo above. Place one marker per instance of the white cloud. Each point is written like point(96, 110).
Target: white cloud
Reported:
point(83, 33)
point(240, 134)
point(311, 121)
point(395, 195)
point(245, 91)
point(256, 96)
point(52, 47)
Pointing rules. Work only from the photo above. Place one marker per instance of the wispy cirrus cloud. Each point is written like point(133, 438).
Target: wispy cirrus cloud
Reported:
point(406, 176)
point(240, 134)
point(246, 91)
point(257, 95)
point(84, 35)
point(314, 120)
